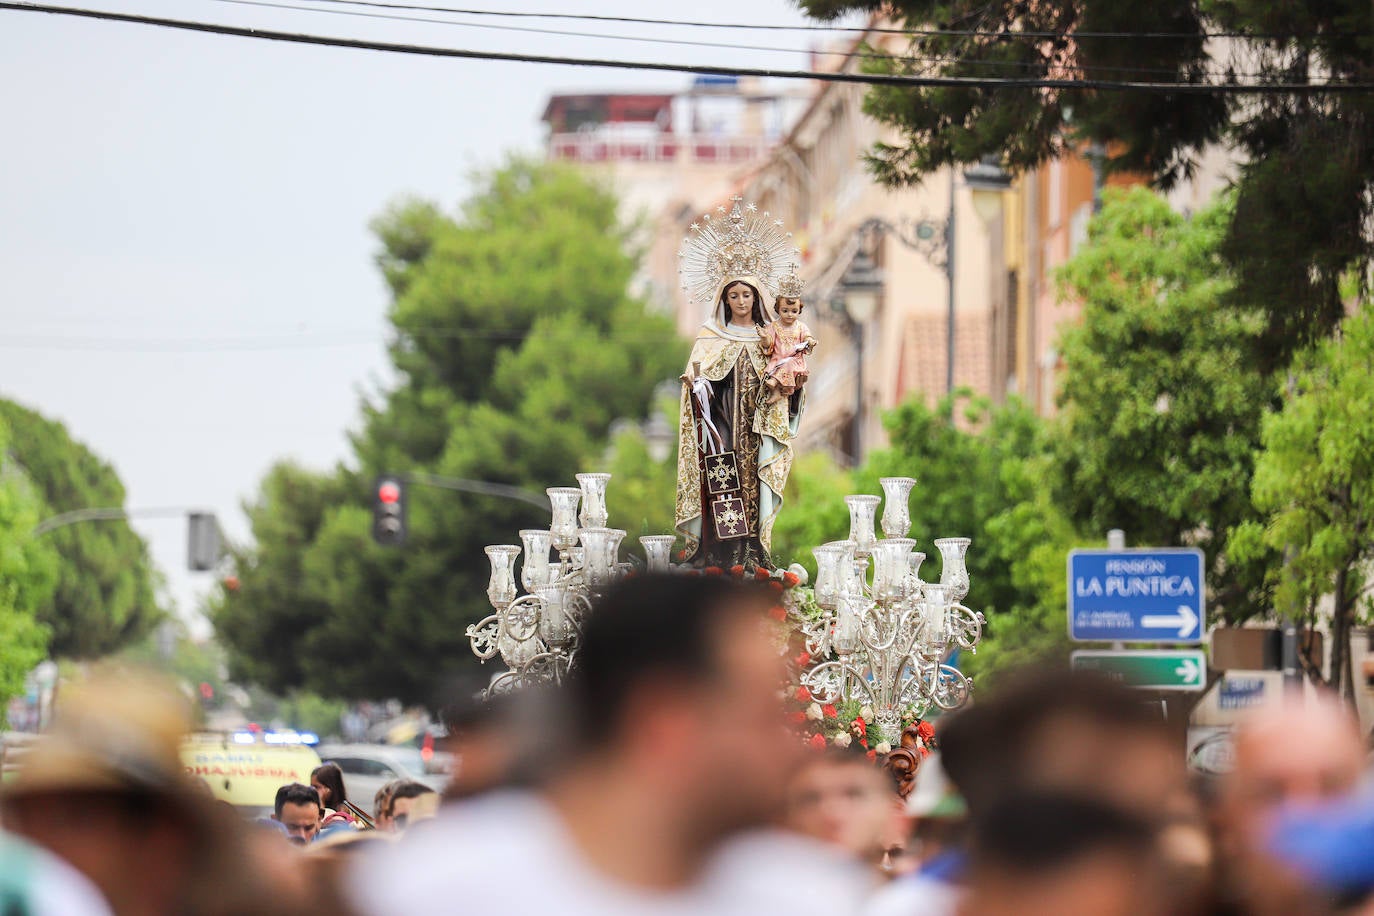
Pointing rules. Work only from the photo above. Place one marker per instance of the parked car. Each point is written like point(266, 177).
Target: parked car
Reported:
point(368, 767)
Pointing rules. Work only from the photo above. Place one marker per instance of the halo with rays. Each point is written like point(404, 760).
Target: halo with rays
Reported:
point(739, 243)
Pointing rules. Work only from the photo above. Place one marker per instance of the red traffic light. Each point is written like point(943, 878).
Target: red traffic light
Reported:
point(389, 492)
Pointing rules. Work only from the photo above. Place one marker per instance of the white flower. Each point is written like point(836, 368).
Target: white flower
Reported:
point(866, 713)
point(843, 739)
point(814, 712)
point(882, 747)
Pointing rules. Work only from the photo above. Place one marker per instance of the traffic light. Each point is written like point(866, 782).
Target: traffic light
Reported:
point(202, 542)
point(389, 511)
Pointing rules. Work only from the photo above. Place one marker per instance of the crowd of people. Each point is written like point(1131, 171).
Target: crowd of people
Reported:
point(663, 778)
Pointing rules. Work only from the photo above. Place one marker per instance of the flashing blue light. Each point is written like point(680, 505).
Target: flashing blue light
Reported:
point(310, 738)
point(243, 737)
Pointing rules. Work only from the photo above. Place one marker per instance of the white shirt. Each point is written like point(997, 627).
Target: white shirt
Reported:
point(509, 853)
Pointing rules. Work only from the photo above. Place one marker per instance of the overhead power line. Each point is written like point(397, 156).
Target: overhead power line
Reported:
point(1016, 65)
point(871, 79)
point(857, 30)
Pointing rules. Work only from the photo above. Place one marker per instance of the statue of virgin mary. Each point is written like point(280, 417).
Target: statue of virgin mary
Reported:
point(735, 450)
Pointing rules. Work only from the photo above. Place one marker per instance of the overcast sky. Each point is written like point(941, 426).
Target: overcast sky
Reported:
point(186, 272)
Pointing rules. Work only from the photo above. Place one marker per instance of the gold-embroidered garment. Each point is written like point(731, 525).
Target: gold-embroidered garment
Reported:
point(733, 360)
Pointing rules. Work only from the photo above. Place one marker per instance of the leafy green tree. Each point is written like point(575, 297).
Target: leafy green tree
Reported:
point(1161, 398)
point(1314, 482)
point(104, 597)
point(516, 345)
point(28, 574)
point(1303, 191)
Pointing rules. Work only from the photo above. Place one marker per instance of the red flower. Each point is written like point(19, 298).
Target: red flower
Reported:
point(802, 660)
point(790, 579)
point(864, 742)
point(682, 554)
point(762, 574)
point(829, 711)
point(872, 755)
point(803, 695)
point(778, 612)
point(713, 571)
point(925, 752)
point(925, 730)
point(737, 571)
point(818, 742)
point(797, 717)
point(775, 585)
point(859, 726)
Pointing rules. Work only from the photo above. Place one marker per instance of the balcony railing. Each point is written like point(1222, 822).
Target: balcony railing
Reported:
point(592, 147)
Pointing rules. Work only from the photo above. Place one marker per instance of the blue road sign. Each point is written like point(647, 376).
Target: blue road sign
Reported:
point(1137, 595)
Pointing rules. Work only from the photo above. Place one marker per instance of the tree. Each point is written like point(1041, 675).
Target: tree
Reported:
point(28, 575)
point(516, 345)
point(1314, 482)
point(1303, 191)
point(104, 597)
point(1161, 399)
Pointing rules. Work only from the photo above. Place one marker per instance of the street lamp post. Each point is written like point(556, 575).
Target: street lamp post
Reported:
point(857, 303)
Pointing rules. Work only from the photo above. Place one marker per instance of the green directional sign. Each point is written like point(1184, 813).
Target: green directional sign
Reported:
point(1182, 669)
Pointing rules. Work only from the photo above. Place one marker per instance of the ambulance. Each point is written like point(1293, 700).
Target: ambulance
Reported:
point(246, 768)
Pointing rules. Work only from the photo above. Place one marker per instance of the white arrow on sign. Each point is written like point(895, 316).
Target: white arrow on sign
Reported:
point(1189, 671)
point(1184, 619)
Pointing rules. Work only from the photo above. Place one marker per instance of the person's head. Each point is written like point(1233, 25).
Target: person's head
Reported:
point(843, 798)
point(327, 779)
point(1059, 730)
point(381, 804)
point(1062, 854)
point(297, 808)
point(405, 802)
point(789, 309)
point(741, 303)
point(1290, 754)
point(105, 790)
point(677, 691)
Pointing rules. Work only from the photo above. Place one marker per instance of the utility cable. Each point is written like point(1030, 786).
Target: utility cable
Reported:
point(686, 23)
point(870, 79)
point(846, 55)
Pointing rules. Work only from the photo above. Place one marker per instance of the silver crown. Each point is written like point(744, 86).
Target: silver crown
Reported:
point(740, 243)
point(790, 286)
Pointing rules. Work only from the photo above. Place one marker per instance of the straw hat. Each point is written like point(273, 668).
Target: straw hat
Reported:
point(110, 733)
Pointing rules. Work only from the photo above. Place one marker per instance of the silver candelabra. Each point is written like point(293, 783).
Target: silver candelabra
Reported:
point(884, 639)
point(536, 634)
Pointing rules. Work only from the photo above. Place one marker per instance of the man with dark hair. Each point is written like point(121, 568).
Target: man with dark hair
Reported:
point(677, 744)
point(297, 808)
point(403, 803)
point(1062, 854)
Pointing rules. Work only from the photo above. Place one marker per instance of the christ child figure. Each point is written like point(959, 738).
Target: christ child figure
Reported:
point(786, 341)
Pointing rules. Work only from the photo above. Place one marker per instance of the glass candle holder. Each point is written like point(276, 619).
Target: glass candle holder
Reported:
point(535, 571)
point(828, 558)
point(555, 615)
point(501, 586)
point(896, 511)
point(935, 633)
point(600, 546)
point(593, 499)
point(953, 572)
point(658, 551)
point(564, 526)
point(862, 512)
point(846, 637)
point(891, 567)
